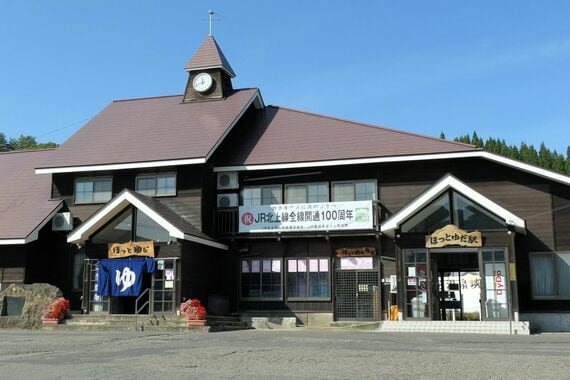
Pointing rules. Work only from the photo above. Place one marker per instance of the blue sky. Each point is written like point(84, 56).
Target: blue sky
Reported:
point(501, 68)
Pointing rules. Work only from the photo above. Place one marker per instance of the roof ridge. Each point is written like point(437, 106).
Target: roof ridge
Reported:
point(27, 151)
point(175, 95)
point(146, 97)
point(374, 126)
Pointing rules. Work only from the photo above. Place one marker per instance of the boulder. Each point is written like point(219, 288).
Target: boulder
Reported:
point(37, 298)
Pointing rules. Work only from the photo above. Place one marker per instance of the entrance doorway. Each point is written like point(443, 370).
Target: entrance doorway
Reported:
point(161, 294)
point(357, 292)
point(458, 285)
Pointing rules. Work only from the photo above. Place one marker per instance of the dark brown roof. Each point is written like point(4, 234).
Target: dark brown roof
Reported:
point(24, 196)
point(282, 135)
point(151, 129)
point(210, 56)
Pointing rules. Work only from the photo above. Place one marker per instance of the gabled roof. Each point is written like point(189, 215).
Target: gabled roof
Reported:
point(392, 224)
point(150, 132)
point(209, 56)
point(176, 226)
point(25, 205)
point(283, 138)
point(286, 136)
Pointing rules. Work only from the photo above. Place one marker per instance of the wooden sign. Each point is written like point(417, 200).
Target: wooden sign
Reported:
point(351, 252)
point(452, 235)
point(139, 248)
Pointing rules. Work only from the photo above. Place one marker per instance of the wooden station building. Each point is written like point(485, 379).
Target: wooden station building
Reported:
point(271, 211)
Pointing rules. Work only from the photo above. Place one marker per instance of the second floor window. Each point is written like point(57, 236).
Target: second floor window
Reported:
point(354, 191)
point(262, 195)
point(93, 190)
point(307, 193)
point(158, 185)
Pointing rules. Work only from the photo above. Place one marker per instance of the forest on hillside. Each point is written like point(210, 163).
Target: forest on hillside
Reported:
point(23, 143)
point(543, 156)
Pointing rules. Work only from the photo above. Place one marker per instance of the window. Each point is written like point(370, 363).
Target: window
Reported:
point(120, 229)
point(262, 195)
point(432, 217)
point(159, 185)
point(163, 293)
point(95, 190)
point(308, 278)
point(261, 279)
point(496, 299)
point(452, 208)
point(147, 229)
point(307, 193)
point(416, 283)
point(354, 191)
point(550, 275)
point(469, 215)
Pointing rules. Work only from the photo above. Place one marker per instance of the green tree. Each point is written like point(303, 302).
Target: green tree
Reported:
point(23, 142)
point(568, 160)
point(3, 143)
point(28, 143)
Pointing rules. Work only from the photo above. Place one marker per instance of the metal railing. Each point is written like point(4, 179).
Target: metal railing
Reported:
point(139, 309)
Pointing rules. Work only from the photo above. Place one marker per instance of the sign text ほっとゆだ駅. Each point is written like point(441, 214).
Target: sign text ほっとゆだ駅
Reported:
point(452, 235)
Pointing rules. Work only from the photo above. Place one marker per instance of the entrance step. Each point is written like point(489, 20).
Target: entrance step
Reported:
point(155, 322)
point(361, 325)
point(462, 327)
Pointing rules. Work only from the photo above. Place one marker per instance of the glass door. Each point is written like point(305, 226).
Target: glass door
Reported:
point(496, 300)
point(416, 284)
point(164, 285)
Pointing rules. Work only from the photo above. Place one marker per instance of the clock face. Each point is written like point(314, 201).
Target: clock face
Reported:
point(202, 82)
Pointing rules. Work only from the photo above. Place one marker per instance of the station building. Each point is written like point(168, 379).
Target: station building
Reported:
point(270, 211)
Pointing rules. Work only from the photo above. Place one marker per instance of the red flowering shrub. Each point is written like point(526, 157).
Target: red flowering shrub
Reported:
point(193, 310)
point(57, 309)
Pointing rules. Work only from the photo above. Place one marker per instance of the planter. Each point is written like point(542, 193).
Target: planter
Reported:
point(50, 321)
point(196, 322)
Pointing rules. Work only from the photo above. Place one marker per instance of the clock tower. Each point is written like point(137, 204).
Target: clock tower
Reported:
point(209, 73)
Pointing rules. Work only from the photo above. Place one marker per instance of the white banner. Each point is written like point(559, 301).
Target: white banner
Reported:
point(329, 216)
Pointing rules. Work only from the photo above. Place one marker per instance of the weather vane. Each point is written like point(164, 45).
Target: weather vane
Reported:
point(211, 14)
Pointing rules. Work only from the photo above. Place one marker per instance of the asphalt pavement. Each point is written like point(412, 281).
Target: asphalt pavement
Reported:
point(280, 354)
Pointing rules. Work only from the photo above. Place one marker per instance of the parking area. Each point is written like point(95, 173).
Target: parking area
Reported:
point(284, 354)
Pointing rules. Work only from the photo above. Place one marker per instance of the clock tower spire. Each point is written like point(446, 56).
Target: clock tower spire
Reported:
point(209, 72)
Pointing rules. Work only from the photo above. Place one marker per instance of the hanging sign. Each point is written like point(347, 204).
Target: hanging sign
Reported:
point(132, 248)
point(452, 235)
point(362, 251)
point(326, 216)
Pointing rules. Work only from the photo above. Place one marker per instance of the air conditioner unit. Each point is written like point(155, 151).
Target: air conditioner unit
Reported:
point(62, 221)
point(228, 200)
point(228, 180)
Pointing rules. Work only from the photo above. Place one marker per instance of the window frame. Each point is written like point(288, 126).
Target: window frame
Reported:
point(308, 280)
point(354, 182)
point(306, 185)
point(155, 176)
point(260, 259)
point(92, 180)
point(241, 197)
point(557, 295)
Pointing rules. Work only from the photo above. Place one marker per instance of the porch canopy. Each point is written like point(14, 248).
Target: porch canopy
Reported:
point(477, 203)
point(176, 226)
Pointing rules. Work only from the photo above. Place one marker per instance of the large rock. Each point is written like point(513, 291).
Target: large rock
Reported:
point(37, 299)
